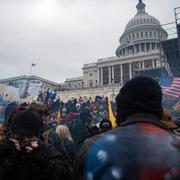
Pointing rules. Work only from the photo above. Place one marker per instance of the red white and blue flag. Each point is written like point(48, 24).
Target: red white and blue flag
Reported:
point(170, 86)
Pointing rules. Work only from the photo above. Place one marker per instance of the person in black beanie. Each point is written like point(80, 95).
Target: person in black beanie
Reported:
point(26, 123)
point(139, 95)
point(141, 147)
point(105, 125)
point(23, 156)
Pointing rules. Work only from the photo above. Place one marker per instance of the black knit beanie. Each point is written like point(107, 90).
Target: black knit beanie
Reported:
point(105, 125)
point(139, 95)
point(26, 122)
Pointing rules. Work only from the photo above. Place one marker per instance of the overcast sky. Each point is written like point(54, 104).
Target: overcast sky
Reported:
point(59, 36)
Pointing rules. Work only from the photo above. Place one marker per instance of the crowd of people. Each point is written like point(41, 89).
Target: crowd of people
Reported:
point(135, 137)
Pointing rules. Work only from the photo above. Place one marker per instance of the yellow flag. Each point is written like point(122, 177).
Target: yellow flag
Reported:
point(58, 115)
point(112, 119)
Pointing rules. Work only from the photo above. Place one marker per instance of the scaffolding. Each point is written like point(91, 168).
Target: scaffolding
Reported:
point(170, 48)
point(177, 21)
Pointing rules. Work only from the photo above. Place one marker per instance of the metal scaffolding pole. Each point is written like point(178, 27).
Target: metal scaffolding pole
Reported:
point(177, 21)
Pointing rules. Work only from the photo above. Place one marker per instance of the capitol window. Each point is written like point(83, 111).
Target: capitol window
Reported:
point(153, 46)
point(142, 34)
point(105, 75)
point(141, 21)
point(137, 34)
point(133, 36)
point(142, 47)
point(148, 46)
point(117, 74)
point(157, 46)
point(148, 64)
point(155, 63)
point(134, 67)
point(90, 83)
point(144, 20)
point(137, 48)
point(150, 34)
point(125, 73)
point(141, 64)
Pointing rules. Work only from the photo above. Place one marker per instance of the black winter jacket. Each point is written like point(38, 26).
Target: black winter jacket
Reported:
point(43, 163)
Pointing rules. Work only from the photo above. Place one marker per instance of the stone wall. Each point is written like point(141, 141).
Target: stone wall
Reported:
point(108, 91)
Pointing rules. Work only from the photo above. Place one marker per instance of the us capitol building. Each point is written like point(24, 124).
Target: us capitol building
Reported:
point(139, 49)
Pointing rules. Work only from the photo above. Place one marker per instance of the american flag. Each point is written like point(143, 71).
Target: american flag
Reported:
point(170, 86)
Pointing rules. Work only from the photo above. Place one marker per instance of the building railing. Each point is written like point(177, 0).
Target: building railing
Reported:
point(61, 89)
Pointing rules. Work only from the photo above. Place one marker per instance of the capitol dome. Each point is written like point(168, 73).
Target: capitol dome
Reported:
point(142, 33)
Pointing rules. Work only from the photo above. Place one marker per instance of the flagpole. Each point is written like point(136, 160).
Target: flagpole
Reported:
point(32, 65)
point(30, 70)
point(28, 79)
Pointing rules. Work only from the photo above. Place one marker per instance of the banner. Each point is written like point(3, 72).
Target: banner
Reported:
point(34, 87)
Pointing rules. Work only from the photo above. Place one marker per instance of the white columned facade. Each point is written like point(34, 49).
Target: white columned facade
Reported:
point(150, 46)
point(98, 76)
point(130, 71)
point(110, 75)
point(121, 73)
point(145, 47)
point(140, 50)
point(113, 74)
point(134, 49)
point(126, 51)
point(143, 64)
point(101, 76)
point(156, 46)
point(153, 63)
